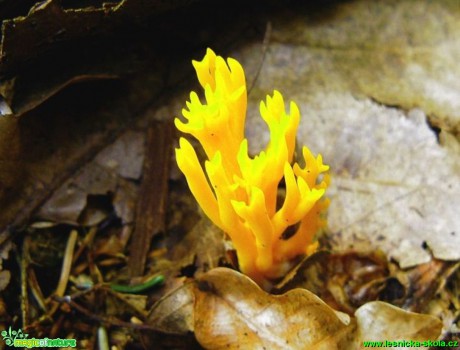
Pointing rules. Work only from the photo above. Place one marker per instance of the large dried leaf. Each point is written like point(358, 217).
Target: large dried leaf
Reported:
point(43, 149)
point(45, 146)
point(399, 53)
point(394, 187)
point(378, 321)
point(231, 312)
point(49, 22)
point(50, 57)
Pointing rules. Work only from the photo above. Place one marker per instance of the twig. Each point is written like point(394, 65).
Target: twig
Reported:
point(265, 43)
point(86, 242)
point(36, 290)
point(24, 290)
point(102, 319)
point(150, 211)
point(65, 271)
point(67, 263)
point(102, 339)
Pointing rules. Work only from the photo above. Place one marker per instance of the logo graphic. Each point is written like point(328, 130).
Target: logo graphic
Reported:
point(19, 339)
point(10, 336)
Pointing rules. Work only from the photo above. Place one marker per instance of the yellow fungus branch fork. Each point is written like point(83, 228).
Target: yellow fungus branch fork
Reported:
point(238, 192)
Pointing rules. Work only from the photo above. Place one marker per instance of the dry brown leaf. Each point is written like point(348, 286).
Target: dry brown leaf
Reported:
point(126, 304)
point(227, 310)
point(69, 201)
point(125, 155)
point(102, 176)
point(345, 281)
point(43, 148)
point(232, 312)
point(202, 248)
point(378, 321)
point(173, 314)
point(398, 52)
point(49, 23)
point(394, 187)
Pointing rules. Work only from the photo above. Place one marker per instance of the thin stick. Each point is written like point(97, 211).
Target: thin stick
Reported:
point(108, 320)
point(265, 43)
point(24, 290)
point(87, 241)
point(67, 263)
point(36, 290)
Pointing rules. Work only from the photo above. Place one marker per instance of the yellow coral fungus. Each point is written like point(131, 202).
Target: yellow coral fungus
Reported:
point(238, 192)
